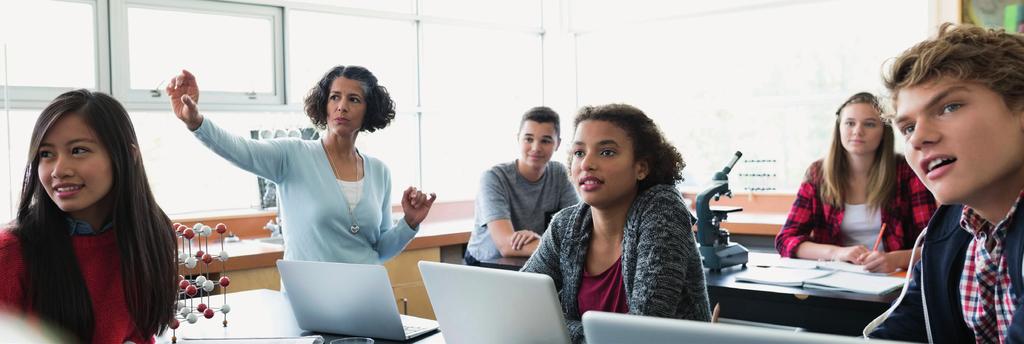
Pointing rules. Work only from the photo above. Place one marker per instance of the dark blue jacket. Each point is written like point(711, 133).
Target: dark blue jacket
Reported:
point(937, 275)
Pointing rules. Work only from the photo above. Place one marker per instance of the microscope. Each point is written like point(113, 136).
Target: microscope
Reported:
point(715, 247)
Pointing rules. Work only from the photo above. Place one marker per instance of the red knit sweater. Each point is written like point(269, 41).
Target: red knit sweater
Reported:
point(99, 260)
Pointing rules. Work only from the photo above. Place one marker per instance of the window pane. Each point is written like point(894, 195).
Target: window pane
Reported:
point(186, 176)
point(319, 41)
point(400, 6)
point(232, 53)
point(476, 85)
point(518, 12)
point(49, 43)
point(771, 93)
point(396, 146)
point(20, 130)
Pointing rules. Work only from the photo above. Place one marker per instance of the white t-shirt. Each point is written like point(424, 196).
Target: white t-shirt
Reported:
point(352, 191)
point(861, 225)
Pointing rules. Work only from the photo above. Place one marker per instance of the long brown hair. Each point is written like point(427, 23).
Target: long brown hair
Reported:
point(836, 170)
point(145, 240)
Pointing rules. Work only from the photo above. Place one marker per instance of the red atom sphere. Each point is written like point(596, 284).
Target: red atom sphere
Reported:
point(208, 313)
point(224, 281)
point(174, 324)
point(221, 228)
point(188, 233)
point(191, 290)
point(207, 258)
point(201, 307)
point(183, 284)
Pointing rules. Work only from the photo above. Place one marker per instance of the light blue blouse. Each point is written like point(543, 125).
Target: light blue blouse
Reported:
point(313, 211)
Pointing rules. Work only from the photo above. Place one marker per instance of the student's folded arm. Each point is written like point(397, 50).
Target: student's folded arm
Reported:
point(265, 158)
point(668, 268)
point(906, 322)
point(800, 222)
point(501, 234)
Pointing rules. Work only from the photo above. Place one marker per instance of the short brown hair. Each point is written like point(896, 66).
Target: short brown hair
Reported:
point(992, 57)
point(664, 163)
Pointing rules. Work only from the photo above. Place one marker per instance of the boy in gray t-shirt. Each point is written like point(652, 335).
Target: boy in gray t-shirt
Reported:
point(517, 199)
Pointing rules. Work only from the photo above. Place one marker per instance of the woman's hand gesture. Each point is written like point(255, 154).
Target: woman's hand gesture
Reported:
point(184, 94)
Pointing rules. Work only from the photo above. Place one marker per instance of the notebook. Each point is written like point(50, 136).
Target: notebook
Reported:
point(822, 279)
point(794, 263)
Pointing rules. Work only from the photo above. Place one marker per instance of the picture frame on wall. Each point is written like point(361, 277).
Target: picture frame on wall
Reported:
point(1005, 14)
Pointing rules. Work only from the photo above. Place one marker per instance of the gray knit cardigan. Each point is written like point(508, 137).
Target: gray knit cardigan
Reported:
point(661, 266)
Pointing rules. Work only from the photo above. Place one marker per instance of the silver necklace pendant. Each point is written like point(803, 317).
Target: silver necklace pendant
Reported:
point(354, 229)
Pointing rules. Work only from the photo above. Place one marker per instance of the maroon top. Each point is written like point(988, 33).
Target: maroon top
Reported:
point(604, 292)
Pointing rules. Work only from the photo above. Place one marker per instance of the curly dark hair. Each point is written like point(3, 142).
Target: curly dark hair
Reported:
point(664, 162)
point(380, 109)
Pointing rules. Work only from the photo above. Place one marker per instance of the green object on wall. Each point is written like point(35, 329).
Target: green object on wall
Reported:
point(1013, 16)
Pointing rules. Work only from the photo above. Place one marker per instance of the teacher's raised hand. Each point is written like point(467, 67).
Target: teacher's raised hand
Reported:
point(416, 205)
point(184, 93)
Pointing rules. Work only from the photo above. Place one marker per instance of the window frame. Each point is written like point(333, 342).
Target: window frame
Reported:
point(39, 96)
point(147, 99)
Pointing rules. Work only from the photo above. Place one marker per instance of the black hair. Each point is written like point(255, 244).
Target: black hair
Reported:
point(380, 109)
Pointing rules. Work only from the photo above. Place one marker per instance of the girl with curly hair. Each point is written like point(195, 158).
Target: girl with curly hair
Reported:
point(629, 246)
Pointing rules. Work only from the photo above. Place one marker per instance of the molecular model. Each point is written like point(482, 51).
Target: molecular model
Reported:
point(198, 265)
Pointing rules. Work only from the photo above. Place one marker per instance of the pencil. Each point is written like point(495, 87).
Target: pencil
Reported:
point(879, 240)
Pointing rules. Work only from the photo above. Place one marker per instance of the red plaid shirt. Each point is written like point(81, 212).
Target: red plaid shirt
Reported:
point(813, 219)
point(985, 288)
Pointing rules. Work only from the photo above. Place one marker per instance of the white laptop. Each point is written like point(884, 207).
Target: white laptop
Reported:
point(349, 299)
point(482, 305)
point(607, 328)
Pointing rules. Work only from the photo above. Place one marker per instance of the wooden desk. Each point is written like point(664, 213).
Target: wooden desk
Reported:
point(814, 310)
point(262, 314)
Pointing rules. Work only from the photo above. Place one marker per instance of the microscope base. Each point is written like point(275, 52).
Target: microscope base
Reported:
point(718, 257)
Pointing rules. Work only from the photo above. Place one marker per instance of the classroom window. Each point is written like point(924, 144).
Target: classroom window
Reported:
point(236, 50)
point(476, 84)
point(526, 13)
point(42, 56)
point(396, 6)
point(387, 47)
point(746, 80)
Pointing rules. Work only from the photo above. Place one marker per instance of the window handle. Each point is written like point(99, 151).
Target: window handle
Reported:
point(155, 93)
point(251, 94)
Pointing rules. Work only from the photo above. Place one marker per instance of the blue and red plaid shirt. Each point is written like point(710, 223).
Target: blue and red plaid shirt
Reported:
point(813, 219)
point(985, 288)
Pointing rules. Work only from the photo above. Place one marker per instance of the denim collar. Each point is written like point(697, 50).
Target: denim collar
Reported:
point(79, 227)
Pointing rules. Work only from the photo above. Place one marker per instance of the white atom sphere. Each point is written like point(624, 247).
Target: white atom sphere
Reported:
point(184, 311)
point(207, 286)
point(223, 255)
point(196, 227)
point(190, 262)
point(200, 280)
point(182, 256)
point(180, 305)
point(225, 309)
point(207, 231)
point(191, 318)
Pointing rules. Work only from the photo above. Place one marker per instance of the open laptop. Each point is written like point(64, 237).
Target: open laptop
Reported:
point(349, 299)
point(607, 328)
point(481, 305)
